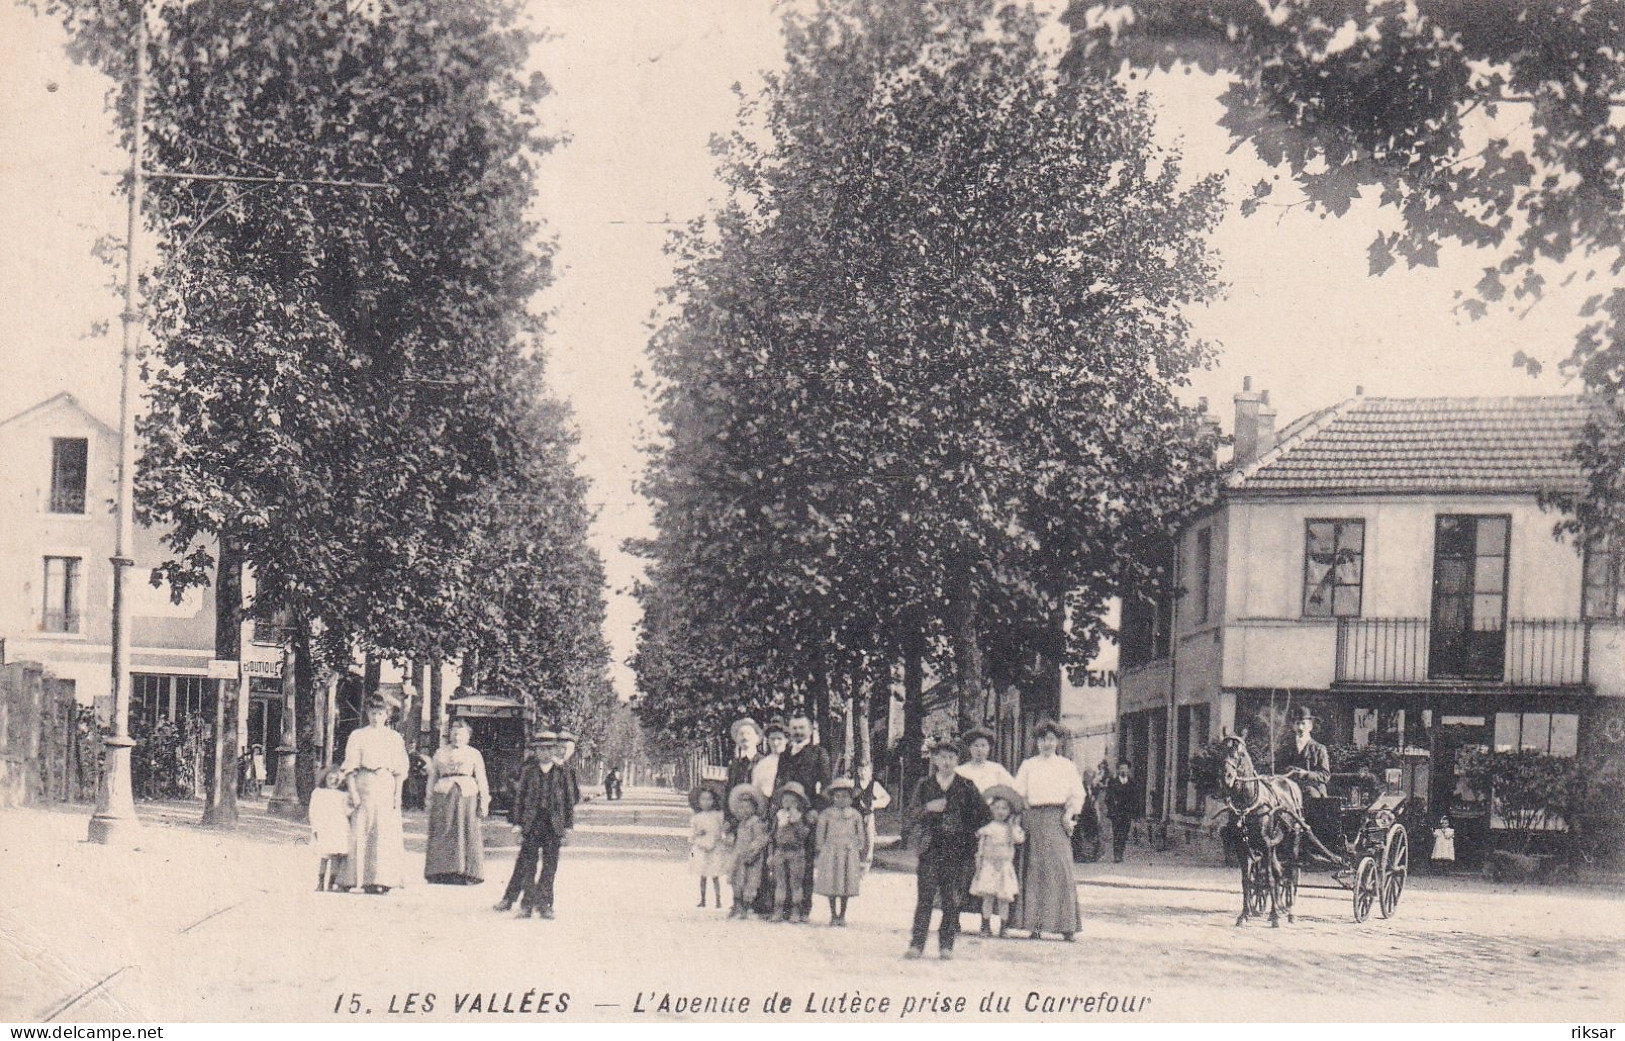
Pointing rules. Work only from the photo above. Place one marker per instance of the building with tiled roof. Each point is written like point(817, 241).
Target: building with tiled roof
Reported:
point(1424, 446)
point(1387, 563)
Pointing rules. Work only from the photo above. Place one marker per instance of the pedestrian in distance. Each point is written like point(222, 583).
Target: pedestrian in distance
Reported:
point(612, 785)
point(753, 838)
point(330, 828)
point(375, 767)
point(947, 811)
point(543, 813)
point(1052, 788)
point(708, 853)
point(996, 841)
point(840, 840)
point(459, 798)
point(1122, 804)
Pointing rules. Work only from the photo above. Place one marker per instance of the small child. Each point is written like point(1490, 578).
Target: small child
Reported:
point(707, 848)
point(1444, 846)
point(789, 857)
point(839, 863)
point(996, 843)
point(751, 838)
point(330, 828)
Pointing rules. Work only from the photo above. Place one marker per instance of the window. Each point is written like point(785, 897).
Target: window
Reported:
point(61, 610)
point(154, 698)
point(1333, 568)
point(1467, 639)
point(1551, 733)
point(1204, 573)
point(69, 456)
point(1602, 594)
point(1144, 636)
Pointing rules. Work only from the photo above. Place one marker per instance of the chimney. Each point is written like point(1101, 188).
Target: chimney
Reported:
point(1248, 406)
point(1266, 425)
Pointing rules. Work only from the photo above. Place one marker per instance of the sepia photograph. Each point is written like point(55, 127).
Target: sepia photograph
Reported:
point(835, 512)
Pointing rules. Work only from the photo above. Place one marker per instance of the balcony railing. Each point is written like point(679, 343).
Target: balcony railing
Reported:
point(60, 622)
point(67, 500)
point(1529, 652)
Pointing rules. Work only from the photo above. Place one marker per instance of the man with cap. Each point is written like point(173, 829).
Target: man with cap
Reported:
point(1304, 759)
point(946, 812)
point(543, 812)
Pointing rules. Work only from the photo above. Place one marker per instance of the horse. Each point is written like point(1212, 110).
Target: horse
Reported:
point(1268, 812)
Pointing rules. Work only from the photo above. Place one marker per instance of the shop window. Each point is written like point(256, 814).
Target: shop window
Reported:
point(1333, 568)
point(1550, 733)
point(1192, 735)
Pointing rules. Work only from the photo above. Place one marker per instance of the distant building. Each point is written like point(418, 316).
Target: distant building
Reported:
point(1385, 562)
point(58, 486)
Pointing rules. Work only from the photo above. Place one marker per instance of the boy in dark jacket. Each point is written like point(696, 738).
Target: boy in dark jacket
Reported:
point(543, 812)
point(946, 812)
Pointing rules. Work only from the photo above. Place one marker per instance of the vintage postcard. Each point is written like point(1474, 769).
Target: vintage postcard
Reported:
point(811, 511)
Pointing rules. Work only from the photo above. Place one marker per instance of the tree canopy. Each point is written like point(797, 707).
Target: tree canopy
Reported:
point(918, 375)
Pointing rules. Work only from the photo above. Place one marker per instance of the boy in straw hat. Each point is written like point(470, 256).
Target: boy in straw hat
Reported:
point(789, 857)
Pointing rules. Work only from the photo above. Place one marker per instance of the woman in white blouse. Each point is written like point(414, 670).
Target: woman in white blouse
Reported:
point(1053, 790)
point(375, 764)
point(979, 770)
point(459, 798)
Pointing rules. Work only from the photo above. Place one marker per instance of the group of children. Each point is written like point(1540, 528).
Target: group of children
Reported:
point(769, 848)
point(769, 844)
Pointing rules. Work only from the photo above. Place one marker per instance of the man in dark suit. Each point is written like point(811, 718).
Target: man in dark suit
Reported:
point(808, 765)
point(747, 739)
point(543, 812)
point(1304, 759)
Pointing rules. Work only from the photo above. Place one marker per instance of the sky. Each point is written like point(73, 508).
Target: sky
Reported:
point(640, 88)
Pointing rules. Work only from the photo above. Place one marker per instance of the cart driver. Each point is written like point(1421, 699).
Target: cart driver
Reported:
point(1306, 759)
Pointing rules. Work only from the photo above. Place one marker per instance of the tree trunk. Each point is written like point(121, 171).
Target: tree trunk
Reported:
point(469, 673)
point(437, 693)
point(848, 723)
point(309, 743)
point(820, 702)
point(371, 676)
point(912, 765)
point(964, 632)
point(863, 754)
point(220, 792)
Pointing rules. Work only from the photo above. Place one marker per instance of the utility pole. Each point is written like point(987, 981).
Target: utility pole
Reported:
point(115, 819)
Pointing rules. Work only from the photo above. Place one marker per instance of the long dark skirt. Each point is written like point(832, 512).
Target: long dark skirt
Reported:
point(456, 848)
point(1049, 890)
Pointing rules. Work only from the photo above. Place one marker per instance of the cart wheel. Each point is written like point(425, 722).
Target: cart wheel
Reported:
point(1258, 886)
point(1287, 893)
point(1396, 862)
point(1366, 884)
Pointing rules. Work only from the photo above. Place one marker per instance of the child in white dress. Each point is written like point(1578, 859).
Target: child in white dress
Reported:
point(1444, 846)
point(996, 841)
point(330, 828)
point(708, 850)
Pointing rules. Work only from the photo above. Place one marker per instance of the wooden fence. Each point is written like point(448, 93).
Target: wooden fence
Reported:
point(50, 746)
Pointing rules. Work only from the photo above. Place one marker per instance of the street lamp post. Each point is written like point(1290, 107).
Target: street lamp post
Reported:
point(115, 817)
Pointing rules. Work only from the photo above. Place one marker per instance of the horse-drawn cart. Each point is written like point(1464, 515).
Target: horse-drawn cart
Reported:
point(1368, 854)
point(1361, 840)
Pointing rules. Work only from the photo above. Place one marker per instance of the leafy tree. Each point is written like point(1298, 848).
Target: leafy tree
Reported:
point(346, 381)
point(1532, 791)
point(918, 373)
point(1490, 126)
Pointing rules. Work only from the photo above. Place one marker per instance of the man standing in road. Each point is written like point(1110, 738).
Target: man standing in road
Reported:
point(808, 765)
point(543, 812)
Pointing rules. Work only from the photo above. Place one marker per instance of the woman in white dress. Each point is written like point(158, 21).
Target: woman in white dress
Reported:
point(375, 764)
point(1053, 790)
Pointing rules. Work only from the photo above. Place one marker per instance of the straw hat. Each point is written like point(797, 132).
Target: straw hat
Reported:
point(719, 799)
point(746, 800)
point(740, 724)
point(791, 788)
point(1008, 794)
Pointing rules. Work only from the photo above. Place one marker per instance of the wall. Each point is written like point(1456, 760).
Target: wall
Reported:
point(1271, 645)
